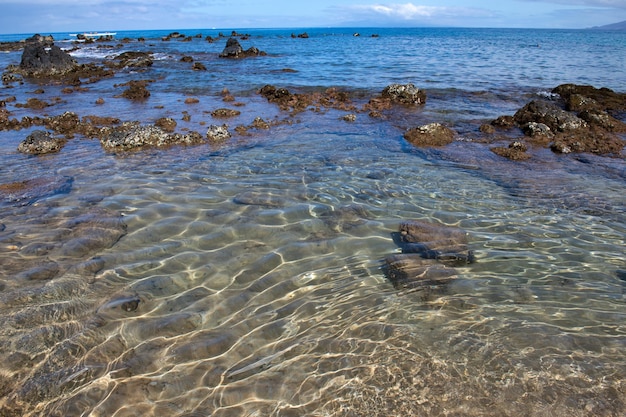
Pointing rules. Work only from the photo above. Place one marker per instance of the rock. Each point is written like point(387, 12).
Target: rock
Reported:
point(225, 113)
point(166, 123)
point(582, 121)
point(504, 122)
point(132, 59)
point(349, 117)
point(28, 191)
point(126, 138)
point(549, 114)
point(198, 66)
point(404, 94)
point(516, 151)
point(433, 241)
point(409, 271)
point(330, 98)
point(257, 198)
point(603, 120)
point(136, 90)
point(534, 129)
point(259, 123)
point(40, 60)
point(560, 147)
point(234, 49)
point(218, 133)
point(433, 134)
point(41, 142)
point(65, 124)
point(586, 97)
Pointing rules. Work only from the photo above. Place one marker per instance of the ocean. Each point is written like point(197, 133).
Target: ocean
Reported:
point(247, 278)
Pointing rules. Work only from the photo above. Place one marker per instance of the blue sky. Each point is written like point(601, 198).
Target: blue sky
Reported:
point(46, 16)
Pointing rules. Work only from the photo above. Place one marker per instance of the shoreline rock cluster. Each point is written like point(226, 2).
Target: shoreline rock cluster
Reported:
point(578, 119)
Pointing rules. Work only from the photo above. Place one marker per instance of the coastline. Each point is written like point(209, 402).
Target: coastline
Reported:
point(214, 238)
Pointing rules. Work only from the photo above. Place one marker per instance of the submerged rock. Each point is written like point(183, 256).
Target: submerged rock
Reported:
point(428, 253)
point(30, 190)
point(433, 241)
point(410, 271)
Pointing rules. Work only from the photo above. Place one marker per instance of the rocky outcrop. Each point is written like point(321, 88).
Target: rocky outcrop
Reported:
point(40, 60)
point(131, 59)
point(395, 94)
point(136, 90)
point(432, 134)
point(581, 120)
point(234, 49)
point(218, 133)
point(132, 136)
point(404, 94)
point(41, 142)
point(330, 98)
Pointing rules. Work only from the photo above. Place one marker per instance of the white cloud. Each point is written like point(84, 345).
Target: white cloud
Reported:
point(614, 4)
point(406, 11)
point(410, 12)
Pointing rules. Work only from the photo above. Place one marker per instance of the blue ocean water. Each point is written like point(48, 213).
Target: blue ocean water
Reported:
point(248, 278)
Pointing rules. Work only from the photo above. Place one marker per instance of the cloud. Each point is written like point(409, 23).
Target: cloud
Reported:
point(406, 13)
point(612, 4)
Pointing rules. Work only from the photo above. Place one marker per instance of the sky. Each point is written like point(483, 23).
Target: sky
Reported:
point(48, 16)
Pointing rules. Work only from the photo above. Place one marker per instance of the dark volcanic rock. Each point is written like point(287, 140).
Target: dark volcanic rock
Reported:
point(40, 60)
point(549, 114)
point(404, 94)
point(585, 119)
point(330, 98)
point(132, 59)
point(433, 134)
point(136, 90)
point(234, 49)
point(41, 142)
point(225, 113)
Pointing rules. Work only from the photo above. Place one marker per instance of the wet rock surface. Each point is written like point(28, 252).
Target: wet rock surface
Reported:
point(41, 142)
point(582, 119)
point(432, 134)
point(234, 49)
point(42, 60)
point(407, 94)
point(134, 136)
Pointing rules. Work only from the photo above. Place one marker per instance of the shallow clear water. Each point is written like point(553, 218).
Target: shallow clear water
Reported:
point(248, 277)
